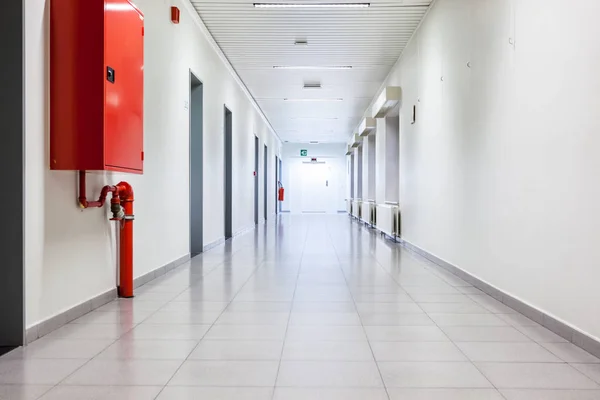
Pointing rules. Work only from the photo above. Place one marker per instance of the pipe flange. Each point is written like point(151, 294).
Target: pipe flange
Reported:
point(129, 218)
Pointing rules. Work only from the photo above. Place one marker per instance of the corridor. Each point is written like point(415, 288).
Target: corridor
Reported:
point(305, 308)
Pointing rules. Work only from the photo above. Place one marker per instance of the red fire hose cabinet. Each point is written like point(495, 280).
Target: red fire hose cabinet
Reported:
point(96, 85)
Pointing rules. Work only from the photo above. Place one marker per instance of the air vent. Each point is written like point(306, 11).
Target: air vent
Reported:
point(313, 142)
point(312, 85)
point(301, 42)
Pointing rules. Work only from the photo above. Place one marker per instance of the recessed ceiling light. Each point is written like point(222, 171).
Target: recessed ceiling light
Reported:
point(318, 99)
point(312, 5)
point(312, 67)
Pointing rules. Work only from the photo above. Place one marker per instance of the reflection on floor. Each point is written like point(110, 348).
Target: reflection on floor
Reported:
point(308, 308)
point(4, 350)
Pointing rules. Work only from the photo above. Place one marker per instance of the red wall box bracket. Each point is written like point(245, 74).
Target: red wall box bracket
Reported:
point(175, 15)
point(96, 85)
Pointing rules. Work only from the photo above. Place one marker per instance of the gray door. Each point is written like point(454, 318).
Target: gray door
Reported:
point(196, 160)
point(256, 190)
point(266, 182)
point(228, 145)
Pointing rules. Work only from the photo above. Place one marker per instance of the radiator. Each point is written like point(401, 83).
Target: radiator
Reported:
point(387, 219)
point(368, 212)
point(356, 208)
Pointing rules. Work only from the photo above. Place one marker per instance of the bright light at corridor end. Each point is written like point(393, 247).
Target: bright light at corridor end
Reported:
point(312, 5)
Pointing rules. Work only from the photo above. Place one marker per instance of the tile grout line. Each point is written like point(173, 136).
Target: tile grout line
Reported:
point(443, 332)
point(385, 388)
point(290, 316)
point(211, 325)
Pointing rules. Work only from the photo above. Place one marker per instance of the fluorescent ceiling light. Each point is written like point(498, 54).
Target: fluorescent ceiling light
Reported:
point(312, 5)
point(333, 118)
point(312, 67)
point(319, 99)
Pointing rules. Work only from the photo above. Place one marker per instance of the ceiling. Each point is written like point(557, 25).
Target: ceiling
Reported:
point(370, 40)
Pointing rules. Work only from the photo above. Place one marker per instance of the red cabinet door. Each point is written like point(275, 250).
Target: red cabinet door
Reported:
point(124, 86)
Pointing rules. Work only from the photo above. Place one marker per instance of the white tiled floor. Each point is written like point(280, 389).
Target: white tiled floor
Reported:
point(308, 308)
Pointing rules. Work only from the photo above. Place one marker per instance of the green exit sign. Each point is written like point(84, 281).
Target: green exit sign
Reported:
point(303, 153)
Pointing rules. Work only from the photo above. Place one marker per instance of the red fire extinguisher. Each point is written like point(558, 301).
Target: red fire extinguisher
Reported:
point(280, 192)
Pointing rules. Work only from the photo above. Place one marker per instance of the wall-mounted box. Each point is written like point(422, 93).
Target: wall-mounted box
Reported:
point(96, 85)
point(367, 126)
point(387, 101)
point(357, 140)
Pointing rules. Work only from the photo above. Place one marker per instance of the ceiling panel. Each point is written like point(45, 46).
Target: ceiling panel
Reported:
point(369, 40)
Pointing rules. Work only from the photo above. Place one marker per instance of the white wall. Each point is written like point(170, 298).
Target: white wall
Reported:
point(70, 254)
point(500, 172)
point(334, 156)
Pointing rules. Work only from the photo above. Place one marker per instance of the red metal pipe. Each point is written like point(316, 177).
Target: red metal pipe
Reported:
point(126, 241)
point(123, 196)
point(83, 202)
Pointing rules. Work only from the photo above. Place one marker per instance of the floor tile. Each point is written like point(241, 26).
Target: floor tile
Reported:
point(382, 298)
point(453, 308)
point(383, 308)
point(253, 318)
point(540, 334)
point(507, 352)
point(205, 306)
point(467, 320)
point(196, 393)
point(138, 349)
point(535, 376)
point(36, 372)
point(102, 393)
point(61, 348)
point(416, 351)
point(517, 320)
point(485, 334)
point(246, 332)
point(89, 331)
point(444, 394)
point(327, 351)
point(324, 319)
point(237, 350)
point(441, 298)
point(226, 373)
point(131, 318)
point(168, 331)
point(259, 306)
point(183, 317)
point(328, 374)
point(124, 373)
point(323, 307)
point(439, 289)
point(300, 333)
point(22, 392)
point(432, 375)
point(371, 319)
point(532, 394)
point(492, 304)
point(590, 370)
point(282, 393)
point(405, 334)
point(571, 353)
